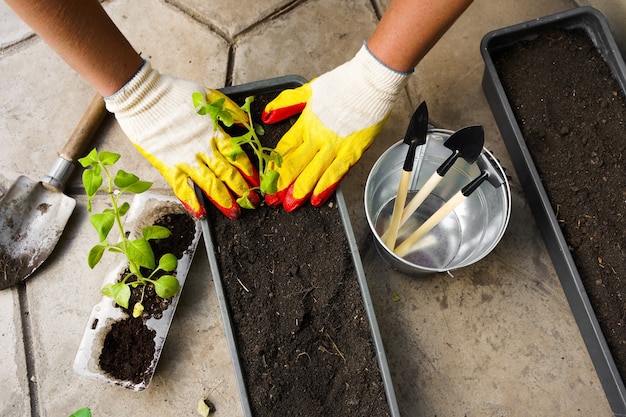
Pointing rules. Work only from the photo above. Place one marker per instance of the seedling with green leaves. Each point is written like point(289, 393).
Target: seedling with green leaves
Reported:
point(216, 106)
point(97, 177)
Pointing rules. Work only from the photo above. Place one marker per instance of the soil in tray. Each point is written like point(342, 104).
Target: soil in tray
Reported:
point(303, 336)
point(572, 114)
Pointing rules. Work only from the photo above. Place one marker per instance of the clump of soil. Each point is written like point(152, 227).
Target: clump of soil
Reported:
point(572, 114)
point(129, 346)
point(123, 352)
point(303, 336)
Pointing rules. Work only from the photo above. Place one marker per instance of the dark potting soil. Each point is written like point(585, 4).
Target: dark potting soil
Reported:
point(182, 228)
point(572, 114)
point(128, 350)
point(129, 346)
point(301, 329)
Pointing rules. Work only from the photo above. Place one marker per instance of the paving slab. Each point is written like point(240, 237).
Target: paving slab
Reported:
point(308, 40)
point(13, 29)
point(230, 19)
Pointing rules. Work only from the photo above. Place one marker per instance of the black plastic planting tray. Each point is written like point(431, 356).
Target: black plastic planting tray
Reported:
point(595, 26)
point(276, 85)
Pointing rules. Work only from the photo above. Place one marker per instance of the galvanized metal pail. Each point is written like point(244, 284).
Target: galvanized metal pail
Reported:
point(463, 237)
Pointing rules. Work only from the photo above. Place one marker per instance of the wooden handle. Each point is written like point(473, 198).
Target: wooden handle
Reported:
point(428, 225)
point(392, 233)
point(419, 198)
point(81, 136)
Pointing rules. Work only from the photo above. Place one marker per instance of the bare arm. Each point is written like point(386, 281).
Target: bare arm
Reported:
point(410, 28)
point(83, 35)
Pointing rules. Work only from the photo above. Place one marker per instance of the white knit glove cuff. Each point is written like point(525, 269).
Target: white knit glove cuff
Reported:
point(156, 112)
point(357, 94)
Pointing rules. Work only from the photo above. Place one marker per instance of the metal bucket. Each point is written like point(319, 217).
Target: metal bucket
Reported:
point(464, 236)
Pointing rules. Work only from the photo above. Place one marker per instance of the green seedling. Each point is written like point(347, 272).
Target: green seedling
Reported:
point(97, 177)
point(219, 111)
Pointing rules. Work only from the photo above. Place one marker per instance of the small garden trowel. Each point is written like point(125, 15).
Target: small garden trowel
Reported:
point(33, 214)
point(466, 143)
point(414, 137)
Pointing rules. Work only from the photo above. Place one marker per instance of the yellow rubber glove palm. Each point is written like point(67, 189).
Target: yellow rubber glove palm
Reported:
point(342, 112)
point(157, 114)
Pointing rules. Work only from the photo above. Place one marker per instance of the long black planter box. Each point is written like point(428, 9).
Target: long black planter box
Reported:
point(595, 26)
point(266, 87)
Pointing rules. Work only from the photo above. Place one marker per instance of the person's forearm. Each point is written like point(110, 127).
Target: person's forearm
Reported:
point(410, 28)
point(83, 35)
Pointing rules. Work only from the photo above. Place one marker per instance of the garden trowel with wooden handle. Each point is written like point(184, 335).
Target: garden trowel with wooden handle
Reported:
point(466, 143)
point(415, 136)
point(33, 214)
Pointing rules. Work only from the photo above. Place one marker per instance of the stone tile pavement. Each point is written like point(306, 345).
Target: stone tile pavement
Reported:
point(496, 339)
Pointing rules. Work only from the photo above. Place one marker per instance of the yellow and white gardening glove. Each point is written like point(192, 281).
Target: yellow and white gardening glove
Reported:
point(342, 112)
point(157, 114)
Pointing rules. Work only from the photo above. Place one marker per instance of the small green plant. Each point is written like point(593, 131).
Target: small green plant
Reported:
point(217, 108)
point(97, 177)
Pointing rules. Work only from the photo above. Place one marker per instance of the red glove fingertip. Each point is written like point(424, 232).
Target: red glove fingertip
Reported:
point(319, 199)
point(254, 198)
point(291, 203)
point(253, 180)
point(232, 212)
point(197, 214)
point(283, 113)
point(276, 199)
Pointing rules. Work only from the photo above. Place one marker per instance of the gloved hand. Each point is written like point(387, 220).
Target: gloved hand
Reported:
point(342, 112)
point(157, 114)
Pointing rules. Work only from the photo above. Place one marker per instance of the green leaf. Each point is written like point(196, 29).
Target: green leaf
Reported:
point(236, 150)
point(215, 108)
point(269, 182)
point(90, 159)
point(198, 100)
point(137, 310)
point(92, 181)
point(277, 158)
point(246, 105)
point(108, 158)
point(166, 286)
point(102, 222)
point(168, 262)
point(119, 292)
point(83, 412)
point(123, 209)
point(95, 254)
point(258, 129)
point(124, 179)
point(155, 232)
point(244, 202)
point(139, 187)
point(140, 253)
point(226, 117)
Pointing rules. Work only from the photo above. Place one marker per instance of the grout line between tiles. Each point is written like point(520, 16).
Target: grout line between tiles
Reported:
point(29, 353)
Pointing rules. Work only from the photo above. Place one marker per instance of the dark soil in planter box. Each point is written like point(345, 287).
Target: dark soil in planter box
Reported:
point(129, 347)
point(572, 114)
point(301, 329)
